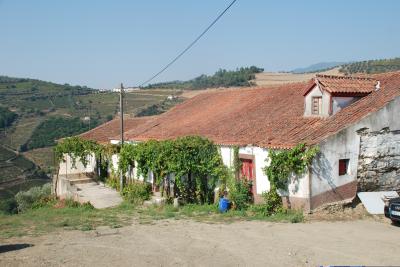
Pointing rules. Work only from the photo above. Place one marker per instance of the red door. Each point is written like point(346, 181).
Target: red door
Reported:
point(247, 172)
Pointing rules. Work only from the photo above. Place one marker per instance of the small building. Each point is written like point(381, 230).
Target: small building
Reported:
point(355, 122)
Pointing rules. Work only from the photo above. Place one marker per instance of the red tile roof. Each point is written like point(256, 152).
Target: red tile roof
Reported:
point(389, 89)
point(241, 116)
point(344, 84)
point(266, 117)
point(103, 133)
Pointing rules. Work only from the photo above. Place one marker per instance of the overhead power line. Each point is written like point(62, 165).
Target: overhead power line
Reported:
point(189, 46)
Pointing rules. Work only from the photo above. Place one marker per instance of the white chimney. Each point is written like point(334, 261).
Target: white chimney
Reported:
point(378, 86)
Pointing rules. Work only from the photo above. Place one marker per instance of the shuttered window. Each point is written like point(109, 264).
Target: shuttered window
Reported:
point(343, 166)
point(316, 107)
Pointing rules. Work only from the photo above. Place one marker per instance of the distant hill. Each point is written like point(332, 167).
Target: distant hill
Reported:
point(318, 67)
point(371, 66)
point(221, 78)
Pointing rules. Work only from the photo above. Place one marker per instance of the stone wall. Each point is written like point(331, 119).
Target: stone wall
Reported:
point(379, 160)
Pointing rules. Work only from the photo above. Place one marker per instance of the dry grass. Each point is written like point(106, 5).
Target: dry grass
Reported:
point(21, 131)
point(277, 78)
point(42, 157)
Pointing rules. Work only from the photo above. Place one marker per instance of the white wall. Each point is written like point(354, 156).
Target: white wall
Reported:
point(66, 167)
point(341, 102)
point(346, 144)
point(298, 186)
point(314, 92)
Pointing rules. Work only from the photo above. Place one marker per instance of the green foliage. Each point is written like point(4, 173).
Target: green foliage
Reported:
point(286, 162)
point(7, 117)
point(8, 206)
point(33, 197)
point(55, 128)
point(136, 192)
point(237, 164)
point(221, 78)
point(194, 161)
point(372, 66)
point(76, 148)
point(273, 202)
point(240, 194)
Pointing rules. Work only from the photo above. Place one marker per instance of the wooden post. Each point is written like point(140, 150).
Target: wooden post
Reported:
point(121, 109)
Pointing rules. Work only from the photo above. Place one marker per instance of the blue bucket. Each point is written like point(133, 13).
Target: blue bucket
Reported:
point(223, 205)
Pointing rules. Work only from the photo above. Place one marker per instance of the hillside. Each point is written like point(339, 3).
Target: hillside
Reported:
point(221, 78)
point(35, 113)
point(371, 66)
point(276, 78)
point(318, 67)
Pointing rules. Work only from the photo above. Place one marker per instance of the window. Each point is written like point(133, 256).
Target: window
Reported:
point(343, 166)
point(316, 107)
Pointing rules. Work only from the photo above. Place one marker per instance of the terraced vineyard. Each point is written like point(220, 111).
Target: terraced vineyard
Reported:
point(41, 107)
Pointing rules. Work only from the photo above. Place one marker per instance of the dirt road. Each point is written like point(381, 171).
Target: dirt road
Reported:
point(184, 243)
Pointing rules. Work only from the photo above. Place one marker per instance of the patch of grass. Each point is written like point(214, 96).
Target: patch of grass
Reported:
point(70, 217)
point(210, 213)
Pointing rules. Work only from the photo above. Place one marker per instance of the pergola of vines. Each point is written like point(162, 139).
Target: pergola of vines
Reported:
point(195, 163)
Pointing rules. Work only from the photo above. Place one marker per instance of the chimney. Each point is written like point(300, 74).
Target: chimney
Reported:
point(378, 86)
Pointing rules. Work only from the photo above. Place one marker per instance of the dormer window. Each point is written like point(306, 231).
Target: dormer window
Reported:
point(329, 94)
point(316, 105)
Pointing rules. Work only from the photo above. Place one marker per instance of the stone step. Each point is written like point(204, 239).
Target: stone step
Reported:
point(83, 180)
point(155, 200)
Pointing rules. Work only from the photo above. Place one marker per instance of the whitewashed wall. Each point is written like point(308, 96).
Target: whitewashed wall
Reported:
point(346, 144)
point(297, 188)
point(339, 103)
point(66, 167)
point(315, 92)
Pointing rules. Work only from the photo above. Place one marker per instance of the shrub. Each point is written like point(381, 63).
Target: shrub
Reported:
point(8, 206)
point(70, 203)
point(33, 197)
point(137, 192)
point(240, 194)
point(113, 182)
point(273, 201)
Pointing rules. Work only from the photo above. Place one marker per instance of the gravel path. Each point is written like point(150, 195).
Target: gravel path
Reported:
point(188, 243)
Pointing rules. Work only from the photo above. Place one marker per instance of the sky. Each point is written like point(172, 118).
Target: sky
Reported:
point(101, 43)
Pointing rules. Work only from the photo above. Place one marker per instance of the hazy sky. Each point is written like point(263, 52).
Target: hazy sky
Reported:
point(102, 43)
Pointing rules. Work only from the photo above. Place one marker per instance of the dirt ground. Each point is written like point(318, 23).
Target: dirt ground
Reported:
point(189, 243)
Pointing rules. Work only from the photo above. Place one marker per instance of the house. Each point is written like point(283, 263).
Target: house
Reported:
point(355, 122)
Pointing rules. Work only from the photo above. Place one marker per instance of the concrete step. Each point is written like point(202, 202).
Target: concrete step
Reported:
point(155, 200)
point(83, 180)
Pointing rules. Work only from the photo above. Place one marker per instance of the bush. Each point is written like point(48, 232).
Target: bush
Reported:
point(137, 192)
point(70, 203)
point(34, 197)
point(8, 206)
point(240, 195)
point(273, 201)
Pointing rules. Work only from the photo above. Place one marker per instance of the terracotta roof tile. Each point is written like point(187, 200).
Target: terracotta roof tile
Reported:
point(104, 132)
point(345, 84)
point(266, 117)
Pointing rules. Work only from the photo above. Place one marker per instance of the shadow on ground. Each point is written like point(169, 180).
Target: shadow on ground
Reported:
point(12, 247)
